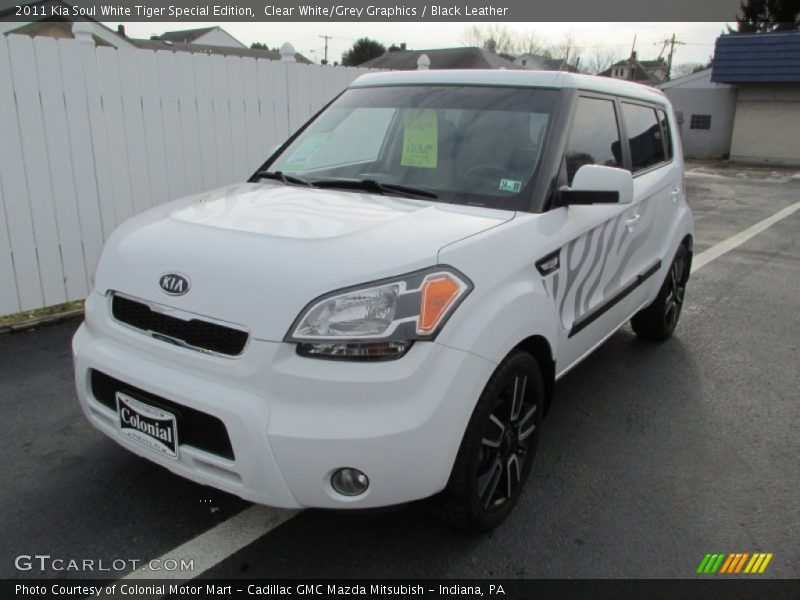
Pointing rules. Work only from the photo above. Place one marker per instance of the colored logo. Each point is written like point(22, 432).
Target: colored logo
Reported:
point(734, 563)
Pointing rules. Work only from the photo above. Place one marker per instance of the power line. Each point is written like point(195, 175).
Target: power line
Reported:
point(671, 42)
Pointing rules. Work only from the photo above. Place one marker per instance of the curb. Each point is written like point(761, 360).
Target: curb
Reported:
point(34, 323)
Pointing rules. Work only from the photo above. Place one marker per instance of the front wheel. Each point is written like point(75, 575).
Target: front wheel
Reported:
point(498, 447)
point(658, 320)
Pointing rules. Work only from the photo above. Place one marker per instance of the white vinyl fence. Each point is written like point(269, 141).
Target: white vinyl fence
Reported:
point(92, 135)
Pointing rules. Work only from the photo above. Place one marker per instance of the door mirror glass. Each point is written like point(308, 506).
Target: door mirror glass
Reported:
point(596, 184)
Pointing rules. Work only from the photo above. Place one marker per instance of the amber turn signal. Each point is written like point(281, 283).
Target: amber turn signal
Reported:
point(438, 293)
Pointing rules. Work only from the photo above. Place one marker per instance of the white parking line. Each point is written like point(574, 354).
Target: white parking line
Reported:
point(218, 543)
point(740, 238)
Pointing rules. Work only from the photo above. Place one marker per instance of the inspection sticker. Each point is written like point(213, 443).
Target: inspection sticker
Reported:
point(307, 149)
point(510, 185)
point(421, 141)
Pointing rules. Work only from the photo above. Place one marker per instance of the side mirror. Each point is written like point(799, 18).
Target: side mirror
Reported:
point(596, 184)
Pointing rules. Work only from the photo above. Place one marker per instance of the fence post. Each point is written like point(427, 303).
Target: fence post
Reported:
point(82, 30)
point(287, 53)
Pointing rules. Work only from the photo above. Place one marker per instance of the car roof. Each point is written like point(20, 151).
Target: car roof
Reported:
point(522, 78)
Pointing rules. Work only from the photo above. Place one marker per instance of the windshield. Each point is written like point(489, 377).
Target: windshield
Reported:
point(462, 144)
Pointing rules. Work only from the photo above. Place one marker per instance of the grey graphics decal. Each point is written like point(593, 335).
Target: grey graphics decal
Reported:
point(583, 281)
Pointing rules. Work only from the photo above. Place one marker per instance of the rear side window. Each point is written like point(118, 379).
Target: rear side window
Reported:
point(594, 139)
point(644, 135)
point(665, 130)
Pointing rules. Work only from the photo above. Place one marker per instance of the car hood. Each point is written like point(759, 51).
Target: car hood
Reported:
point(256, 254)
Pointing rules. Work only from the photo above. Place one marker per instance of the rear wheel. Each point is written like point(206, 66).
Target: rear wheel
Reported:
point(498, 447)
point(658, 320)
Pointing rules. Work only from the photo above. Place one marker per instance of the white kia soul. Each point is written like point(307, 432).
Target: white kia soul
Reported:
point(380, 313)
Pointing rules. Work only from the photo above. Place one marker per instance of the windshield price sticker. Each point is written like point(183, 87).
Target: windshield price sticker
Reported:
point(421, 141)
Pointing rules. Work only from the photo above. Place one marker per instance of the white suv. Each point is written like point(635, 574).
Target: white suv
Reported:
point(379, 315)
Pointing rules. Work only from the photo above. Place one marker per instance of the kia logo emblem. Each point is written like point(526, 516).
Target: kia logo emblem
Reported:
point(174, 284)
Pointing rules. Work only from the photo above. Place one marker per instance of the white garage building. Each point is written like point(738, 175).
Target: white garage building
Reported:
point(705, 113)
point(765, 68)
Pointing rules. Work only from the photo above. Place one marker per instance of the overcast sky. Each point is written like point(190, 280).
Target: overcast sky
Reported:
point(612, 37)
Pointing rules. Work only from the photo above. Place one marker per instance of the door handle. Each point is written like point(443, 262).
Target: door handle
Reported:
point(631, 223)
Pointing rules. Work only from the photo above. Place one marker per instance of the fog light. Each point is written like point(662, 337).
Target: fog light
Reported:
point(349, 482)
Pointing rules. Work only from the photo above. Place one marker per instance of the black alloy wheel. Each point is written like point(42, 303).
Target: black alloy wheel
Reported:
point(676, 286)
point(658, 320)
point(498, 447)
point(510, 432)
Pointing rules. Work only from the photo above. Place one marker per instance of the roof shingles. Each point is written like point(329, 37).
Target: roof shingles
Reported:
point(205, 49)
point(441, 58)
point(757, 58)
point(184, 35)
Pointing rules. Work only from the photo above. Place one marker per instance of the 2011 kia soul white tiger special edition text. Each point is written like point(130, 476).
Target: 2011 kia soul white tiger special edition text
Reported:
point(380, 313)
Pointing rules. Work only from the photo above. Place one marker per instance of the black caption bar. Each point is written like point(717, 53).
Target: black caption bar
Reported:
point(717, 588)
point(371, 10)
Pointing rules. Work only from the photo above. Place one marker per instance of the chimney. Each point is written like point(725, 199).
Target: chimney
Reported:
point(403, 46)
point(121, 30)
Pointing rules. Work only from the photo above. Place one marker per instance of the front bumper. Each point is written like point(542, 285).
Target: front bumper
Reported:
point(293, 420)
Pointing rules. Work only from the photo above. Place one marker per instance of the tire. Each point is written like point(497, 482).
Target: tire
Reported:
point(498, 447)
point(658, 320)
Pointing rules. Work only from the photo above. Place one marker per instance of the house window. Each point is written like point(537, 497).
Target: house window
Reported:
point(700, 122)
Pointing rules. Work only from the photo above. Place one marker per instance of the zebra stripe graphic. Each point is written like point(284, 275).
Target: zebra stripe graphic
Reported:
point(575, 286)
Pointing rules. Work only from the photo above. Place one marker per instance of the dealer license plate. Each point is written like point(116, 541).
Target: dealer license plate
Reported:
point(148, 425)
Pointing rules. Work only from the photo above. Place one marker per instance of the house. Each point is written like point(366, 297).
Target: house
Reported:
point(58, 27)
point(207, 36)
point(243, 51)
point(208, 40)
point(648, 72)
point(440, 58)
point(765, 70)
point(540, 62)
point(705, 111)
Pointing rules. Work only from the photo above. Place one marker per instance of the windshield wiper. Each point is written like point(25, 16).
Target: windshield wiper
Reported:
point(281, 176)
point(373, 185)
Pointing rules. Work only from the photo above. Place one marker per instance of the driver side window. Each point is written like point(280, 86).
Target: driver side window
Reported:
point(594, 139)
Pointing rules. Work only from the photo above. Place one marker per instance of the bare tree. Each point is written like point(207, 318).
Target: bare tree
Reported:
point(686, 69)
point(530, 43)
point(598, 60)
point(566, 50)
point(497, 39)
point(473, 36)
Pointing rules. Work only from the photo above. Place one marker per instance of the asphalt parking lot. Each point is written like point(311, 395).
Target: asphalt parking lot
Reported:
point(652, 455)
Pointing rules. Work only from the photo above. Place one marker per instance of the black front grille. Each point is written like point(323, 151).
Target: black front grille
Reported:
point(195, 428)
point(195, 332)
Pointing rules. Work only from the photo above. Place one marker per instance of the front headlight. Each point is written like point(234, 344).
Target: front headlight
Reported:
point(380, 319)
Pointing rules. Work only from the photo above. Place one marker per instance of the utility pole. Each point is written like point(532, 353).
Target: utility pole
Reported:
point(326, 38)
point(671, 42)
point(631, 58)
